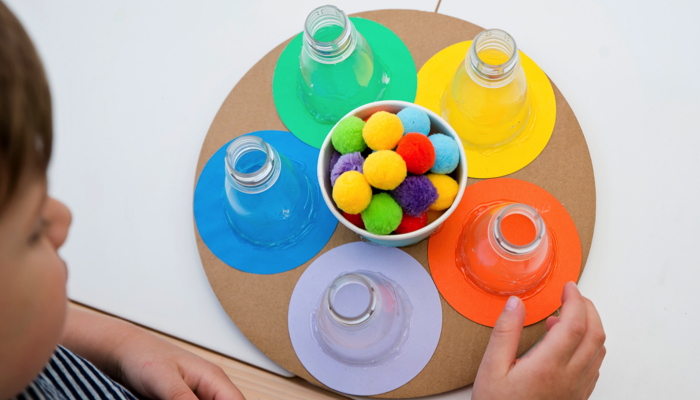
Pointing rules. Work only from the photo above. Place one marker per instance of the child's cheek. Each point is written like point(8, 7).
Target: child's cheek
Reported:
point(50, 313)
point(33, 310)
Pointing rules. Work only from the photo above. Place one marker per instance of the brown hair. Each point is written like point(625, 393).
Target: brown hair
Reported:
point(25, 107)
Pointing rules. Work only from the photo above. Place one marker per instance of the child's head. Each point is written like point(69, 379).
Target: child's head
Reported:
point(32, 225)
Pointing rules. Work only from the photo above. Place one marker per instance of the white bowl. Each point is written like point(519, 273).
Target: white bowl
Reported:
point(437, 125)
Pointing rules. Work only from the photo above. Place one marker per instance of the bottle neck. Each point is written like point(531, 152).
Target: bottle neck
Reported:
point(252, 165)
point(493, 59)
point(352, 299)
point(329, 35)
point(501, 229)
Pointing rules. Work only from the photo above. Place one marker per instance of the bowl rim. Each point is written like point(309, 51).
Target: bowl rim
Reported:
point(403, 236)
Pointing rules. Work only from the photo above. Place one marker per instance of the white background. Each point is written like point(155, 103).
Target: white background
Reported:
point(136, 84)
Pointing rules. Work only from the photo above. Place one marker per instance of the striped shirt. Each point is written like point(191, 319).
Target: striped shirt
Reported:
point(68, 376)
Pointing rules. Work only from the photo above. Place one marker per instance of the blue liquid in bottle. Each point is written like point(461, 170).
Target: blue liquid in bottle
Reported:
point(271, 202)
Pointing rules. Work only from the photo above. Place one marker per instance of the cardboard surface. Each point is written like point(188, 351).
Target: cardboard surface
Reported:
point(476, 303)
point(259, 304)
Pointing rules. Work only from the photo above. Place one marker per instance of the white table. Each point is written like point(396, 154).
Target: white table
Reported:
point(136, 84)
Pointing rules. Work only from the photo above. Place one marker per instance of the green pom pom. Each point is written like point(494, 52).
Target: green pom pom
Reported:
point(383, 215)
point(347, 136)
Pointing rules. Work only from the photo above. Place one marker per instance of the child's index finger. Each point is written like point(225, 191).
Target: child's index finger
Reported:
point(564, 337)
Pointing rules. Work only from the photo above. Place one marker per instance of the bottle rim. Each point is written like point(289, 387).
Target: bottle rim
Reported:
point(335, 50)
point(343, 280)
point(256, 181)
point(493, 38)
point(532, 215)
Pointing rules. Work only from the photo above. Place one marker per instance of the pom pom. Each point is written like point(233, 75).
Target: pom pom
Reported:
point(410, 223)
point(418, 152)
point(382, 131)
point(385, 169)
point(347, 135)
point(415, 195)
point(355, 219)
point(382, 216)
point(351, 192)
point(347, 162)
point(334, 159)
point(447, 189)
point(446, 154)
point(414, 120)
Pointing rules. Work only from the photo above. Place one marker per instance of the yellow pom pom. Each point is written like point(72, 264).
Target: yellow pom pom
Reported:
point(351, 192)
point(382, 131)
point(447, 189)
point(384, 169)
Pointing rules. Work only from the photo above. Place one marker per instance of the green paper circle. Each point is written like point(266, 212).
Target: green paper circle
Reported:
point(385, 45)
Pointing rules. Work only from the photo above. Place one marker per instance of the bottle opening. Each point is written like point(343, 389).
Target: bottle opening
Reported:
point(251, 162)
point(518, 229)
point(351, 299)
point(493, 55)
point(327, 33)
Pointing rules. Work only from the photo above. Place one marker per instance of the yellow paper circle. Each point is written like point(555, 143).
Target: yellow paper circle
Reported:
point(433, 79)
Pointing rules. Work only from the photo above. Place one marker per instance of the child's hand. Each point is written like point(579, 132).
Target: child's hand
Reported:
point(158, 369)
point(144, 362)
point(564, 366)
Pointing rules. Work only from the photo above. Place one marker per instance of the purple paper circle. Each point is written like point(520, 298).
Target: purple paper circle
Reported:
point(426, 319)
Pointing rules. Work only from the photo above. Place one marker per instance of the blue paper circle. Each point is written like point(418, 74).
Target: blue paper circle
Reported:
point(222, 239)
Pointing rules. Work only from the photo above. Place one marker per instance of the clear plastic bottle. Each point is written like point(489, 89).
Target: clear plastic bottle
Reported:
point(338, 71)
point(270, 200)
point(363, 318)
point(487, 100)
point(506, 249)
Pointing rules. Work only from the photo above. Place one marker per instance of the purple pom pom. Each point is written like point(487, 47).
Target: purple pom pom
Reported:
point(334, 160)
point(347, 162)
point(415, 194)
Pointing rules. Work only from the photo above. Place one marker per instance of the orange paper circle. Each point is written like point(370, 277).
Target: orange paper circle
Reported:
point(479, 305)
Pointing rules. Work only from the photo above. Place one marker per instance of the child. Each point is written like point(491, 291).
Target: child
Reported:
point(35, 323)
point(34, 317)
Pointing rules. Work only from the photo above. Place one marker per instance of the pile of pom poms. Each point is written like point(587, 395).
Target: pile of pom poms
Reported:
point(387, 172)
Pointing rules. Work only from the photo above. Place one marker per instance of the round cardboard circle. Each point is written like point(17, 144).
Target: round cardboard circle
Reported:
point(259, 304)
point(436, 74)
point(385, 45)
point(477, 304)
point(227, 245)
point(426, 318)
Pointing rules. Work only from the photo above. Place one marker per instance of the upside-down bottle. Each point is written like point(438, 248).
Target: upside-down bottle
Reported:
point(270, 200)
point(338, 71)
point(363, 318)
point(487, 101)
point(506, 249)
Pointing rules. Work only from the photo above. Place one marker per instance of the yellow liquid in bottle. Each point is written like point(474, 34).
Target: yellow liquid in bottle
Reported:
point(486, 116)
